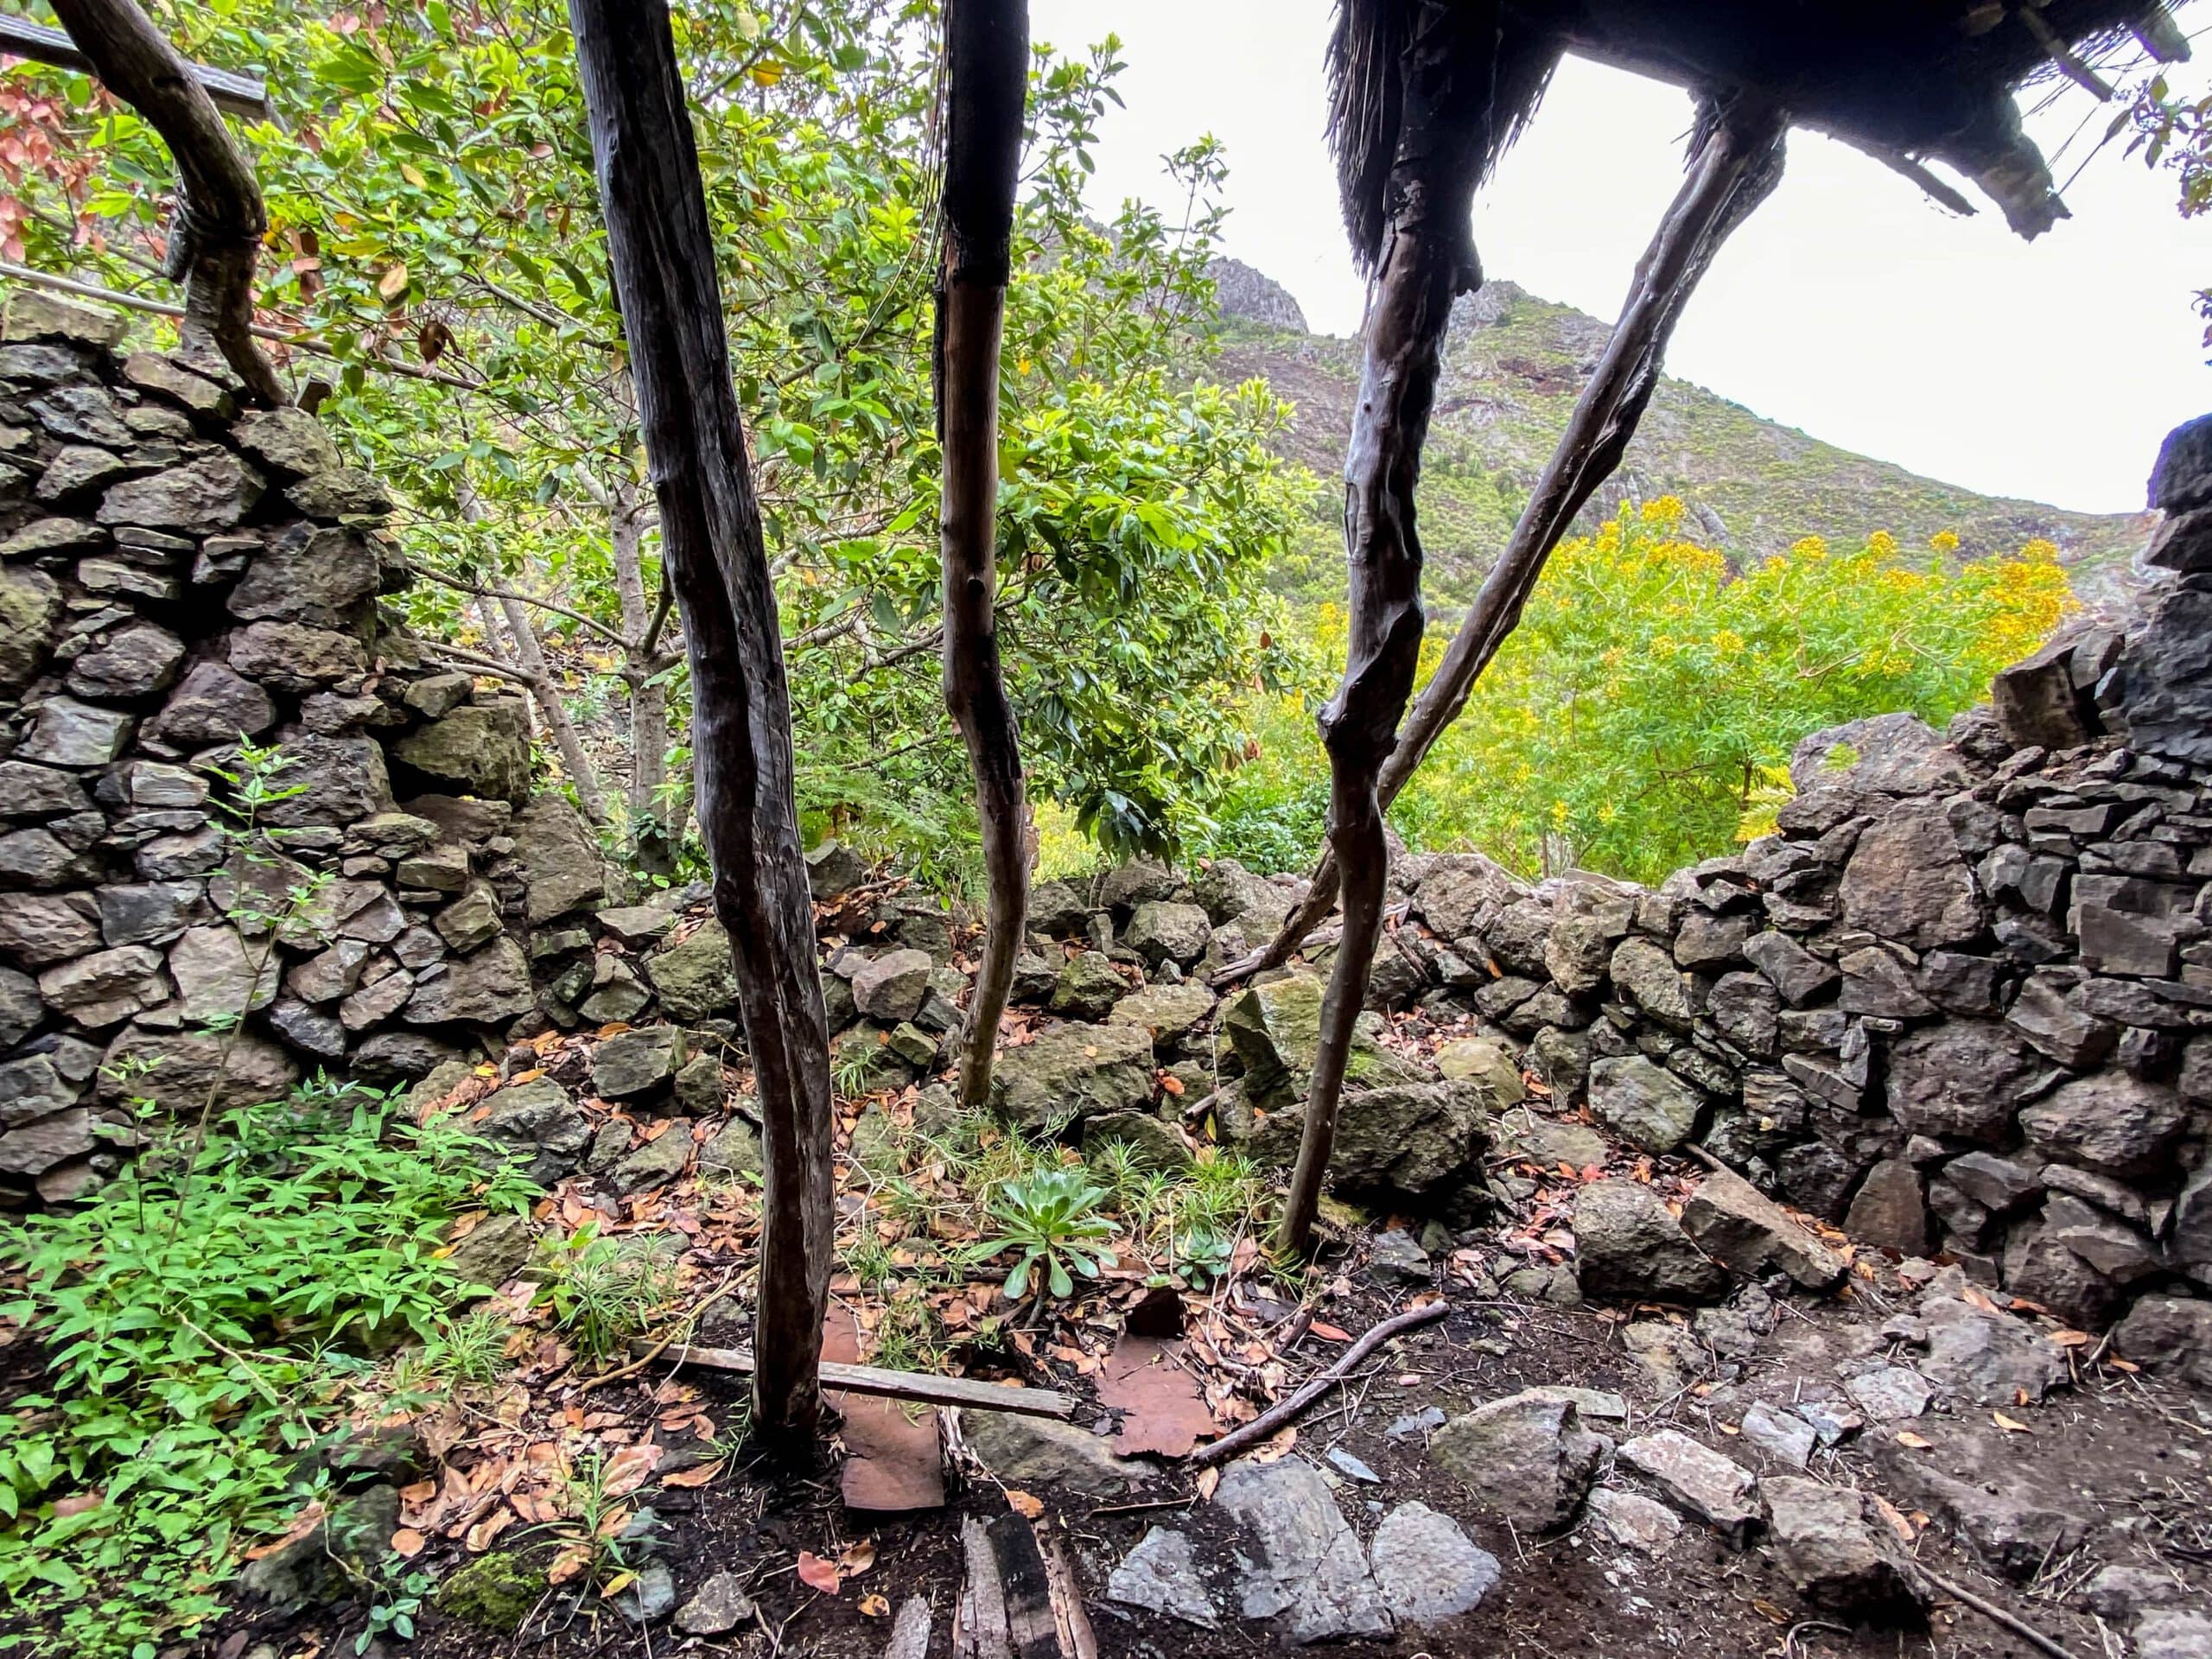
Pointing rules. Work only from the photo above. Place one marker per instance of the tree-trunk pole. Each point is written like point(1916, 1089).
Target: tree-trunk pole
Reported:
point(660, 249)
point(987, 60)
point(1427, 260)
point(220, 219)
point(1736, 167)
point(530, 657)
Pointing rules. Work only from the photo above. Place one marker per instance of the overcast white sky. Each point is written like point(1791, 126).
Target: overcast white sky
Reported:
point(1848, 305)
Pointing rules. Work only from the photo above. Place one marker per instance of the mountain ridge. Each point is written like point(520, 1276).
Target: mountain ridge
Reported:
point(1514, 365)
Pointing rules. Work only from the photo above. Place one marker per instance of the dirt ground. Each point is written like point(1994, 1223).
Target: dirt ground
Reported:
point(2124, 1453)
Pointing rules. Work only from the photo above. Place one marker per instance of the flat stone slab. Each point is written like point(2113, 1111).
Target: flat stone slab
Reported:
point(1782, 1435)
point(1162, 1576)
point(1305, 1567)
point(1890, 1394)
point(1427, 1566)
point(1697, 1480)
point(1630, 1518)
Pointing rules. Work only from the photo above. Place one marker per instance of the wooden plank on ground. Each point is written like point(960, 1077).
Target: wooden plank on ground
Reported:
point(893, 1385)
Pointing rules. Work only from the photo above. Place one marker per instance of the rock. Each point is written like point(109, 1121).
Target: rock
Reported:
point(151, 372)
point(493, 1251)
point(1486, 1064)
point(340, 780)
point(1274, 1029)
point(1643, 972)
point(696, 977)
point(136, 660)
point(1834, 1558)
point(1132, 883)
point(1576, 952)
point(2166, 696)
point(34, 1148)
point(1697, 1481)
point(1088, 986)
point(735, 1153)
point(1162, 931)
point(2172, 1633)
point(1074, 1071)
point(1799, 976)
point(2013, 1522)
point(206, 495)
point(1963, 1077)
point(291, 656)
point(184, 1071)
point(1029, 1451)
point(2162, 1333)
point(322, 1565)
point(286, 440)
point(68, 733)
point(1526, 1458)
point(1395, 1258)
point(1463, 892)
point(658, 1160)
point(34, 314)
point(320, 576)
point(1907, 881)
point(1997, 1184)
point(1894, 1394)
point(1168, 1012)
point(1986, 1358)
point(1421, 1142)
point(1889, 1210)
point(2107, 1120)
point(19, 1007)
point(218, 976)
point(36, 929)
point(652, 1595)
point(1636, 1521)
point(494, 1592)
point(213, 703)
point(1305, 1567)
point(538, 1123)
point(2121, 1590)
point(1345, 1463)
point(699, 1086)
point(1426, 1567)
point(1162, 1576)
point(1152, 1143)
point(2037, 702)
point(633, 1063)
point(892, 986)
point(30, 611)
point(488, 987)
point(1629, 1248)
point(482, 748)
point(106, 987)
point(1734, 1222)
point(471, 920)
point(719, 1606)
point(1782, 1435)
point(1056, 910)
point(1651, 1108)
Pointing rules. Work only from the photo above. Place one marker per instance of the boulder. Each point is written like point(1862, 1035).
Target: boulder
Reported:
point(1644, 973)
point(1628, 1247)
point(696, 977)
point(1168, 1012)
point(562, 868)
point(1275, 1028)
point(1836, 1558)
point(1030, 1451)
point(1418, 1141)
point(1087, 986)
point(184, 1071)
point(1647, 1105)
point(30, 612)
point(213, 703)
point(1074, 1071)
point(1160, 930)
point(1734, 1222)
point(536, 1122)
point(2108, 1120)
point(635, 1063)
point(481, 748)
point(1427, 1566)
point(2170, 1334)
point(1527, 1458)
point(210, 494)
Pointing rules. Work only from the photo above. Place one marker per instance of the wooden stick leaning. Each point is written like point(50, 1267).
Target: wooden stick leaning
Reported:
point(1996, 1614)
point(916, 1386)
point(1296, 1405)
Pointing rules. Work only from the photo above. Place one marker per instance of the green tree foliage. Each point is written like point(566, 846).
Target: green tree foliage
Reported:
point(1642, 716)
point(431, 192)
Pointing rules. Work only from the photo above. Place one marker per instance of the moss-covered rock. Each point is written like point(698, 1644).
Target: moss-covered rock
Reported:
point(495, 1592)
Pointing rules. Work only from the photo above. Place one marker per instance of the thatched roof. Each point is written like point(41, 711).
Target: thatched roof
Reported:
point(1906, 80)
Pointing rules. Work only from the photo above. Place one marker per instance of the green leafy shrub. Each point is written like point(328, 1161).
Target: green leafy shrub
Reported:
point(200, 1318)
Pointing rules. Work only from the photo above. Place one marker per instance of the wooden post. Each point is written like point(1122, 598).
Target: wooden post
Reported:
point(215, 238)
point(1426, 260)
point(661, 250)
point(987, 63)
point(1737, 165)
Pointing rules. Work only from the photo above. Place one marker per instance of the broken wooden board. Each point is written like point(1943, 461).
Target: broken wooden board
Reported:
point(1019, 1600)
point(893, 1385)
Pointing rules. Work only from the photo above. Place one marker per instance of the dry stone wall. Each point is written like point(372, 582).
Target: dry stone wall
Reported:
point(177, 577)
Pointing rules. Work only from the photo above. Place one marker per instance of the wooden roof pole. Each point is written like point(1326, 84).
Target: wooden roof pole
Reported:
point(660, 248)
point(36, 44)
point(1426, 260)
point(1737, 165)
point(215, 238)
point(987, 78)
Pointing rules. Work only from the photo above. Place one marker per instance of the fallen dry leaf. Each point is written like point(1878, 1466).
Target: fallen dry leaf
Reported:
point(406, 1542)
point(699, 1477)
point(857, 1558)
point(818, 1575)
point(1906, 1437)
point(572, 1560)
point(1276, 1446)
point(1328, 1332)
point(617, 1584)
point(875, 1606)
point(1208, 1479)
point(2010, 1424)
point(1024, 1505)
point(627, 1469)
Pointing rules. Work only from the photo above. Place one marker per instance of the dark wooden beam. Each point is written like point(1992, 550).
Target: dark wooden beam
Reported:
point(660, 249)
point(986, 76)
point(239, 95)
point(915, 1386)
